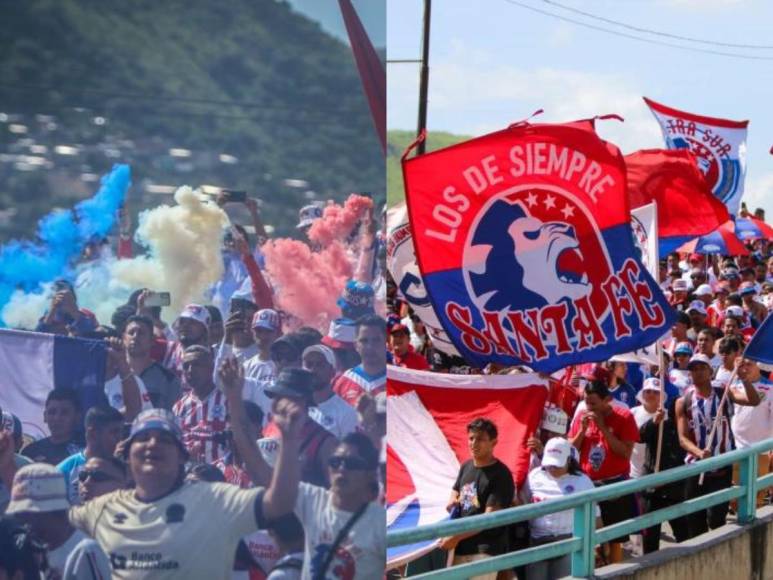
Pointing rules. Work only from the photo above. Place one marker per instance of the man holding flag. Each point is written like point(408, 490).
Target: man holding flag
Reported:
point(703, 417)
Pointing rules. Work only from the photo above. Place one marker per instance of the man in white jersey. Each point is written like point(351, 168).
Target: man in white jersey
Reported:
point(124, 390)
point(238, 339)
point(369, 377)
point(696, 413)
point(191, 327)
point(266, 328)
point(753, 424)
point(167, 527)
point(202, 411)
point(331, 411)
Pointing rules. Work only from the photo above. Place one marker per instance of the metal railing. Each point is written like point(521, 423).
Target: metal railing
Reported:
point(585, 536)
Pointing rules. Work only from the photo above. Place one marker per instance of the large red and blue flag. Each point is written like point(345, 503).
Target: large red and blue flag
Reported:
point(686, 206)
point(718, 144)
point(525, 247)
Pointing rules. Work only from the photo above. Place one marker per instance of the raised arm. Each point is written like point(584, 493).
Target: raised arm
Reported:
point(750, 397)
point(232, 380)
point(261, 291)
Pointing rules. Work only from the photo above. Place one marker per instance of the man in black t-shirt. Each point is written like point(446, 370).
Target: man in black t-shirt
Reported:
point(63, 416)
point(484, 485)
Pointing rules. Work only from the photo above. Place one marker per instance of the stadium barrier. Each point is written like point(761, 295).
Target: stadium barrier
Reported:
point(585, 536)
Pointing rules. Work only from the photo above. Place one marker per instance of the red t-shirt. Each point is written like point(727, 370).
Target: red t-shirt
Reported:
point(596, 457)
point(411, 360)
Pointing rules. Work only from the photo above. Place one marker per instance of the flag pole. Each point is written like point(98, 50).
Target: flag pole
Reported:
point(662, 361)
point(424, 78)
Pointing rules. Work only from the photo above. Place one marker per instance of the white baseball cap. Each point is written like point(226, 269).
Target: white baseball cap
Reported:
point(698, 358)
point(697, 306)
point(325, 351)
point(679, 284)
point(704, 290)
point(39, 488)
point(557, 452)
point(267, 318)
point(308, 215)
point(735, 311)
point(341, 334)
point(195, 312)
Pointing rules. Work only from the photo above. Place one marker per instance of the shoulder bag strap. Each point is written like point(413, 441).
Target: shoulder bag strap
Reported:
point(340, 538)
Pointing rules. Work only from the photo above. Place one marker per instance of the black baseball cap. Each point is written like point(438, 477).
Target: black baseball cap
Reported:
point(293, 383)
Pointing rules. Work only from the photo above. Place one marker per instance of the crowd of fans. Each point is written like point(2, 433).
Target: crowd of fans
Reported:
point(609, 415)
point(227, 445)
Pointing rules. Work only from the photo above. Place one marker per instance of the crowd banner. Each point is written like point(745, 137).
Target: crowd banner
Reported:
point(34, 363)
point(427, 439)
point(524, 243)
point(401, 263)
point(686, 206)
point(718, 144)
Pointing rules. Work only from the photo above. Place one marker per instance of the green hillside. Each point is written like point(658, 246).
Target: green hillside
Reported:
point(397, 142)
point(245, 94)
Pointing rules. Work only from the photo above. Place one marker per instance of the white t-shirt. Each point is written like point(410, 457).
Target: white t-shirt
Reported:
point(255, 392)
point(680, 379)
point(241, 354)
point(87, 562)
point(79, 558)
point(335, 415)
point(114, 394)
point(753, 424)
point(190, 533)
point(540, 486)
point(723, 375)
point(360, 556)
point(641, 416)
point(260, 370)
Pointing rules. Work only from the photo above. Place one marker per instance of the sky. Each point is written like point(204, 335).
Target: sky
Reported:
point(328, 14)
point(495, 62)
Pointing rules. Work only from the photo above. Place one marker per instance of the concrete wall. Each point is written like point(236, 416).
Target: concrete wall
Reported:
point(732, 552)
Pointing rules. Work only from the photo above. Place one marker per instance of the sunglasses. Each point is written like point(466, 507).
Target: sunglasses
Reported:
point(350, 463)
point(95, 476)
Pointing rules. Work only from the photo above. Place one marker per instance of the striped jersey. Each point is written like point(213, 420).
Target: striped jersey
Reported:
point(701, 412)
point(203, 423)
point(173, 358)
point(355, 382)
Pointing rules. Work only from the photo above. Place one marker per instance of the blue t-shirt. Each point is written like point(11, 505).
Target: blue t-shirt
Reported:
point(625, 393)
point(71, 467)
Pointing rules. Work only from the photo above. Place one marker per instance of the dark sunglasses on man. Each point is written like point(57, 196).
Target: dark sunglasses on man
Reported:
point(95, 475)
point(349, 463)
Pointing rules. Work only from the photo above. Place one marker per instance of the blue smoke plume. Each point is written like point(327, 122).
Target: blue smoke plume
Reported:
point(61, 238)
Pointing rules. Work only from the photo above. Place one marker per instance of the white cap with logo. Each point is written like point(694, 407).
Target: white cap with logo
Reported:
point(557, 452)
